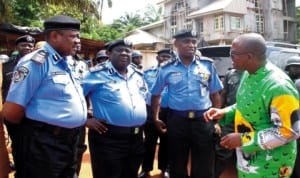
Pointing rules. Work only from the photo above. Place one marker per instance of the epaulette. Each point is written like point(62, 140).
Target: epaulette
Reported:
point(40, 56)
point(168, 62)
point(98, 67)
point(150, 69)
point(203, 58)
point(139, 71)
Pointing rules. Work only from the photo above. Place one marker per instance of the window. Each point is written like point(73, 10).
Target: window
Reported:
point(260, 24)
point(173, 21)
point(201, 27)
point(178, 16)
point(173, 31)
point(179, 5)
point(188, 24)
point(219, 23)
point(235, 23)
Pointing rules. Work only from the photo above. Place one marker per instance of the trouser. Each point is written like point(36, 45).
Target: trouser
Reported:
point(81, 148)
point(117, 153)
point(296, 171)
point(12, 130)
point(151, 136)
point(224, 156)
point(45, 151)
point(188, 132)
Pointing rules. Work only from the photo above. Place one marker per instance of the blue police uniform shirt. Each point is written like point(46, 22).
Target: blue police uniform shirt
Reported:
point(189, 87)
point(150, 76)
point(115, 99)
point(47, 90)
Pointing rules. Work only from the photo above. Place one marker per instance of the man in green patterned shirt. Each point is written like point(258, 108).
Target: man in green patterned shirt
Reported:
point(265, 113)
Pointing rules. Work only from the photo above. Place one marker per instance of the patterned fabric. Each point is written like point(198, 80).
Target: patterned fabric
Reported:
point(265, 102)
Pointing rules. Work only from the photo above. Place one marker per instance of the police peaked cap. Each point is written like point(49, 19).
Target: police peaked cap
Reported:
point(25, 38)
point(165, 50)
point(106, 45)
point(116, 43)
point(101, 53)
point(185, 33)
point(136, 53)
point(61, 22)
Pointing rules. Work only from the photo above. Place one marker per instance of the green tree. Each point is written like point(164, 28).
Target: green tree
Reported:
point(128, 22)
point(152, 14)
point(298, 22)
point(10, 9)
point(5, 10)
point(100, 4)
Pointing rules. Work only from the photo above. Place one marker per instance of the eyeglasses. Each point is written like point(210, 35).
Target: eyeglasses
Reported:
point(234, 54)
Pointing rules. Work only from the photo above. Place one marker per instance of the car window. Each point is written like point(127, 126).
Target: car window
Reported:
point(222, 64)
point(279, 58)
point(220, 55)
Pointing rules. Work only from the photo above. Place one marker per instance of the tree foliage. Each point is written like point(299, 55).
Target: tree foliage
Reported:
point(298, 22)
point(32, 13)
point(131, 21)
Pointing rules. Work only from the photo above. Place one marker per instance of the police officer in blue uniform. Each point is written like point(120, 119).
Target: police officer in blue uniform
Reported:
point(137, 59)
point(193, 87)
point(48, 103)
point(100, 57)
point(24, 45)
point(117, 92)
point(151, 132)
point(79, 68)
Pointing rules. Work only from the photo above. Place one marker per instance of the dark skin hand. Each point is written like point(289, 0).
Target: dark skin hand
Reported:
point(231, 141)
point(96, 125)
point(160, 125)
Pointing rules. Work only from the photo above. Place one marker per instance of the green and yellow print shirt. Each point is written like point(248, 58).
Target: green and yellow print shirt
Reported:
point(262, 113)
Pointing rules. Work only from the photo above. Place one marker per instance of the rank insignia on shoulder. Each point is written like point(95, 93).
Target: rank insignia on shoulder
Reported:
point(205, 59)
point(98, 67)
point(40, 56)
point(136, 69)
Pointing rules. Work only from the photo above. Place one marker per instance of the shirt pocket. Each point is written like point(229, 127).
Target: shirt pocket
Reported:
point(176, 77)
point(61, 84)
point(111, 92)
point(201, 80)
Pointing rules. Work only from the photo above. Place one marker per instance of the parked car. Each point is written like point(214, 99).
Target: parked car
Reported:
point(280, 55)
point(220, 55)
point(277, 53)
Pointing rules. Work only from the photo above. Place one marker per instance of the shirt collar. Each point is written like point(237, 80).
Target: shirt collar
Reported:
point(55, 57)
point(112, 70)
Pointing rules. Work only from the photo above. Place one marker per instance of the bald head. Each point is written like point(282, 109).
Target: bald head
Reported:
point(252, 42)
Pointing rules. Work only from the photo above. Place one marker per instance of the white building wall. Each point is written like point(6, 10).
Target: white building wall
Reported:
point(271, 10)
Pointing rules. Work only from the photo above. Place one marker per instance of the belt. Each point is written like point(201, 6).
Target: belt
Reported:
point(53, 129)
point(190, 114)
point(123, 130)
